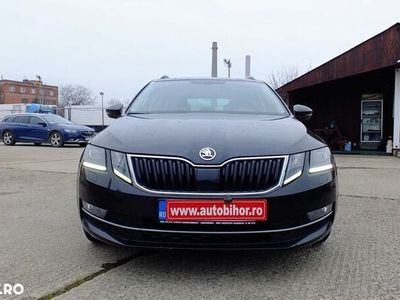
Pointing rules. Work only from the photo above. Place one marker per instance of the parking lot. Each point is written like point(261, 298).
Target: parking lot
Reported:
point(44, 249)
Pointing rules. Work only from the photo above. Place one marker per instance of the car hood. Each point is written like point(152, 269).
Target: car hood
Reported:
point(230, 135)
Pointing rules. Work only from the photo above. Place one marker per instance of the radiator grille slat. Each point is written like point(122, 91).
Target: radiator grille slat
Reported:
point(239, 175)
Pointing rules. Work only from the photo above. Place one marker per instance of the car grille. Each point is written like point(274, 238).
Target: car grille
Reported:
point(236, 176)
point(251, 175)
point(164, 174)
point(87, 133)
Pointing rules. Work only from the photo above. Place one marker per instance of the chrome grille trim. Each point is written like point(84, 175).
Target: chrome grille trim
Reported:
point(87, 133)
point(171, 193)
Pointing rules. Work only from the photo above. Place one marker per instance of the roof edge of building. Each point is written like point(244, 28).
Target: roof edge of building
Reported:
point(22, 82)
point(282, 88)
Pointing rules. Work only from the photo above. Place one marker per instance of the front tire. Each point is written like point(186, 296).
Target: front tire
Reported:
point(56, 139)
point(8, 138)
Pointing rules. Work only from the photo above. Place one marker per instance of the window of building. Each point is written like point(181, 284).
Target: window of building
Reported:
point(22, 90)
point(51, 93)
point(12, 89)
point(23, 100)
point(33, 91)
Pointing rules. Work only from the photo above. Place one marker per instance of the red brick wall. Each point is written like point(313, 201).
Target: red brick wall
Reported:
point(7, 96)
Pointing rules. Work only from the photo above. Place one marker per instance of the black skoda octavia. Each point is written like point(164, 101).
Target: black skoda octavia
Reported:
point(207, 163)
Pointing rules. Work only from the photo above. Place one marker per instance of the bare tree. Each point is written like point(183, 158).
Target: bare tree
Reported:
point(75, 95)
point(125, 102)
point(280, 78)
point(114, 101)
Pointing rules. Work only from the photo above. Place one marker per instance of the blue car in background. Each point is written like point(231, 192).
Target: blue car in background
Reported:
point(42, 128)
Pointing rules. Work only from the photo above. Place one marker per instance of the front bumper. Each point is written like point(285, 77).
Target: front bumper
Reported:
point(77, 141)
point(76, 138)
point(177, 239)
point(131, 218)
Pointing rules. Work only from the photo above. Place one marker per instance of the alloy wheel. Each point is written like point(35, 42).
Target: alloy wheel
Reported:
point(56, 139)
point(8, 138)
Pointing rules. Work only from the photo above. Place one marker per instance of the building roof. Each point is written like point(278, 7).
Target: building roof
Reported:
point(25, 82)
point(380, 51)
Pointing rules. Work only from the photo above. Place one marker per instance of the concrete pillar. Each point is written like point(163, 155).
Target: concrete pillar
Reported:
point(247, 66)
point(214, 60)
point(396, 111)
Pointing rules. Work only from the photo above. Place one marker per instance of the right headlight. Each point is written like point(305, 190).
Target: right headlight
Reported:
point(94, 158)
point(320, 160)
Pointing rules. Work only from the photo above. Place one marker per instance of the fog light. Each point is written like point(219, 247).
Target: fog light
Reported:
point(319, 213)
point(97, 211)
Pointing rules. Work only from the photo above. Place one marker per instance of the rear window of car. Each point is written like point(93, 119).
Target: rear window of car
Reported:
point(22, 119)
point(9, 119)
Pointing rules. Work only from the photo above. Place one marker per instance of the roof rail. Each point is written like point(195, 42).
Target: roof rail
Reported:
point(164, 77)
point(250, 77)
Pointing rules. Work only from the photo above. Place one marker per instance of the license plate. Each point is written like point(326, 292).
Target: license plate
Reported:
point(212, 210)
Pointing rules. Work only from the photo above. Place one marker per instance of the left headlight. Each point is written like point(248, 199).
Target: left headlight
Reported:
point(320, 160)
point(120, 166)
point(294, 168)
point(70, 131)
point(94, 158)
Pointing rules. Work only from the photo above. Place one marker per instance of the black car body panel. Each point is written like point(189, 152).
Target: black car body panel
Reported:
point(129, 213)
point(230, 135)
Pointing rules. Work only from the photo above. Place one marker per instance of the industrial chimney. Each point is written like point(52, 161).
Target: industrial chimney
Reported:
point(247, 66)
point(214, 60)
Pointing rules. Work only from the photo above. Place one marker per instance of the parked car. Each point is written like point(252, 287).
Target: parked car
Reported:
point(42, 128)
point(207, 163)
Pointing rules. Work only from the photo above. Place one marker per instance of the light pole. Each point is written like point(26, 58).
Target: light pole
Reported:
point(102, 108)
point(40, 89)
point(228, 63)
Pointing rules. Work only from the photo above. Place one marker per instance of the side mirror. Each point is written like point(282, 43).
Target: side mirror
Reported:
point(302, 112)
point(43, 124)
point(114, 111)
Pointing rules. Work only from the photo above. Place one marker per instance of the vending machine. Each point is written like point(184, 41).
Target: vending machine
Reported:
point(371, 123)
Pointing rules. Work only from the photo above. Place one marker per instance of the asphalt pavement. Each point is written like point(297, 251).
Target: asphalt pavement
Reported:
point(43, 247)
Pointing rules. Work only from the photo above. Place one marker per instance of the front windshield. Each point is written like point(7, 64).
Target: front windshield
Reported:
point(55, 119)
point(210, 96)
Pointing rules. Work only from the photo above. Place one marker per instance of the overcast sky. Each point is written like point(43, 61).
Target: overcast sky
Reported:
point(116, 46)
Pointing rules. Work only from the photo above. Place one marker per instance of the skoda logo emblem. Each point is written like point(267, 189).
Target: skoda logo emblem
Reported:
point(207, 153)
